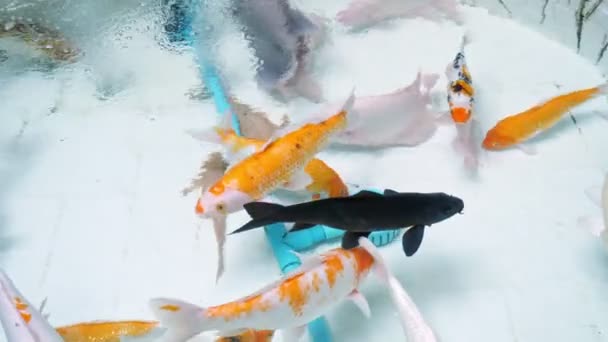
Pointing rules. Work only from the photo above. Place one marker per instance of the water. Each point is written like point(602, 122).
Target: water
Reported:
point(94, 156)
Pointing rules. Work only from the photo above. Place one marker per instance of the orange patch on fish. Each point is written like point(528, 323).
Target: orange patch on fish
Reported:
point(105, 331)
point(233, 310)
point(364, 259)
point(217, 189)
point(26, 316)
point(460, 115)
point(334, 268)
point(169, 307)
point(295, 292)
point(21, 307)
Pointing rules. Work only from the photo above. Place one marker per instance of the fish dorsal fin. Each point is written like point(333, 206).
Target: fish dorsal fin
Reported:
point(389, 192)
point(367, 193)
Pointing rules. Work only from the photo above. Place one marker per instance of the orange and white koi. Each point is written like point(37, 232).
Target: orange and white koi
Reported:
point(288, 304)
point(21, 321)
point(277, 163)
point(461, 98)
point(324, 179)
point(24, 323)
point(461, 94)
point(515, 130)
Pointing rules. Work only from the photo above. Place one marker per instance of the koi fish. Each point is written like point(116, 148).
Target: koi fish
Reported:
point(324, 180)
point(361, 214)
point(598, 226)
point(281, 38)
point(400, 118)
point(364, 13)
point(287, 304)
point(461, 97)
point(412, 322)
point(515, 130)
point(279, 162)
point(20, 320)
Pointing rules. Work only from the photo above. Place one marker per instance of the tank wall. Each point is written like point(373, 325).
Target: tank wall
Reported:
point(579, 24)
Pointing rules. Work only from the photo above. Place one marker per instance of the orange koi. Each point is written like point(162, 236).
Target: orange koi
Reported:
point(277, 163)
point(105, 331)
point(324, 179)
point(288, 304)
point(516, 129)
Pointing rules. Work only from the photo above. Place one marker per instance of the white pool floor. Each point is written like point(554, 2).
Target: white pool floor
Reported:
point(92, 215)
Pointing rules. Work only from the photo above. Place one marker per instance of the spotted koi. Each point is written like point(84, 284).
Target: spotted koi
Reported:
point(290, 303)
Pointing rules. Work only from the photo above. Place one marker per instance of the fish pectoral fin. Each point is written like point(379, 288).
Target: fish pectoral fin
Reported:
point(298, 181)
point(219, 227)
point(389, 192)
point(293, 334)
point(367, 193)
point(594, 193)
point(360, 301)
point(527, 149)
point(351, 239)
point(592, 224)
point(412, 239)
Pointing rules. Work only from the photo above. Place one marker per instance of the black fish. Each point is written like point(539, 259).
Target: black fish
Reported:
point(362, 214)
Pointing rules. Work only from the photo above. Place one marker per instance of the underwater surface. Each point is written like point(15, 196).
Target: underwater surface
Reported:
point(94, 156)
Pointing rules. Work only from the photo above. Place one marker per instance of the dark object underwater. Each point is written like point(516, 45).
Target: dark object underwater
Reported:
point(361, 214)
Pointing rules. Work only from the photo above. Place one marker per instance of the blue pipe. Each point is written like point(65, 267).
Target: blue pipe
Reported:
point(318, 329)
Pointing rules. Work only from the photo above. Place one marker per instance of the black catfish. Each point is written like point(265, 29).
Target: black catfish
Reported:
point(361, 214)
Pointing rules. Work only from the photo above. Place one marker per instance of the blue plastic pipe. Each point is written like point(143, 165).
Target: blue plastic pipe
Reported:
point(318, 329)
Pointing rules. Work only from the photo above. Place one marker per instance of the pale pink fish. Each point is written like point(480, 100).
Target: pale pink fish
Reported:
point(400, 118)
point(598, 225)
point(21, 321)
point(363, 13)
point(414, 326)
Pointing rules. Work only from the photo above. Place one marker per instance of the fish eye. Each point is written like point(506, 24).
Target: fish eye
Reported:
point(220, 207)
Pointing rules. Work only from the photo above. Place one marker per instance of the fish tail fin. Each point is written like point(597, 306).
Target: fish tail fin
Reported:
point(210, 135)
point(262, 213)
point(412, 321)
point(181, 320)
point(348, 104)
point(604, 88)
